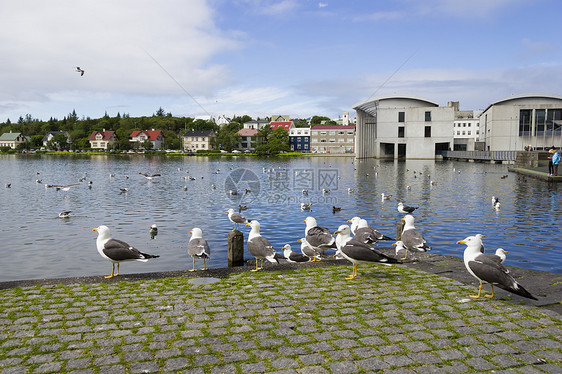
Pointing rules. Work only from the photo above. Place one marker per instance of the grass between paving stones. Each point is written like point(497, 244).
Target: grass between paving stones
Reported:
point(386, 318)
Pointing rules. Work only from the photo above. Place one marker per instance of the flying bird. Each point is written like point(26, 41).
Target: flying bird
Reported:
point(198, 247)
point(488, 269)
point(150, 176)
point(117, 251)
point(81, 71)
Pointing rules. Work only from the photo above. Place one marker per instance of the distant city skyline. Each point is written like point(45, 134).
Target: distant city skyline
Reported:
point(265, 57)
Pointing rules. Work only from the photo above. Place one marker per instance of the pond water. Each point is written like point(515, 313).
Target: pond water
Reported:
point(36, 243)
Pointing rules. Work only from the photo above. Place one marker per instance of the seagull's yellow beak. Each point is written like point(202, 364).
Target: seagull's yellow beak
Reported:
point(94, 229)
point(336, 232)
point(402, 219)
point(348, 220)
point(191, 232)
point(300, 240)
point(226, 211)
point(304, 220)
point(248, 224)
point(394, 243)
point(461, 242)
point(505, 251)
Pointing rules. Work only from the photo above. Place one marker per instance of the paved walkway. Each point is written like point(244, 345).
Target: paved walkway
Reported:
point(287, 319)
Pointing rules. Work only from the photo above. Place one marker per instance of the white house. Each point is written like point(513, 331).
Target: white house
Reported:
point(12, 139)
point(198, 140)
point(402, 126)
point(512, 123)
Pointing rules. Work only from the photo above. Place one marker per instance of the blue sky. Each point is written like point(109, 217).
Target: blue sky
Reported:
point(265, 57)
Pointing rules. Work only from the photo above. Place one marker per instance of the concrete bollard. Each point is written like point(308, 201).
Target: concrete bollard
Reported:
point(235, 248)
point(399, 228)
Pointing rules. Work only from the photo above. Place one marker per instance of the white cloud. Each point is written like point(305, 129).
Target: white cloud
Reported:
point(45, 41)
point(322, 5)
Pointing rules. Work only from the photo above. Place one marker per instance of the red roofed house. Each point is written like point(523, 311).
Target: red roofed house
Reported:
point(156, 137)
point(332, 139)
point(102, 139)
point(249, 139)
point(288, 125)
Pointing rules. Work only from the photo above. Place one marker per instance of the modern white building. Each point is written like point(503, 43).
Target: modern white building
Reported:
point(512, 123)
point(332, 139)
point(401, 126)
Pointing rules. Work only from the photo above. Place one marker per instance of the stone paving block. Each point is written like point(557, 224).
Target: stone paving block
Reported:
point(144, 367)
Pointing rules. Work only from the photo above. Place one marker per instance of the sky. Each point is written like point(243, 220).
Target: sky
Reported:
point(264, 57)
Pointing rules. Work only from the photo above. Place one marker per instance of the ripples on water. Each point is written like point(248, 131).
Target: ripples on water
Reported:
point(38, 244)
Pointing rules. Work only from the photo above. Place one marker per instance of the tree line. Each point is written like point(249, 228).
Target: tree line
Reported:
point(79, 129)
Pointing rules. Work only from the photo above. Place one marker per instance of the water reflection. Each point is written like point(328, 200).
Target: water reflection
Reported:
point(453, 199)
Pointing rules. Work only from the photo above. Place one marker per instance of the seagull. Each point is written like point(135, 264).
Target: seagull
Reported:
point(123, 190)
point(411, 237)
point(500, 255)
point(495, 200)
point(497, 206)
point(153, 231)
point(305, 192)
point(59, 187)
point(365, 233)
point(8, 185)
point(319, 238)
point(385, 197)
point(198, 247)
point(81, 71)
point(325, 190)
point(292, 256)
point(65, 214)
point(406, 209)
point(260, 247)
point(306, 206)
point(336, 209)
point(306, 249)
point(117, 251)
point(236, 218)
point(357, 252)
point(242, 207)
point(350, 190)
point(150, 176)
point(489, 270)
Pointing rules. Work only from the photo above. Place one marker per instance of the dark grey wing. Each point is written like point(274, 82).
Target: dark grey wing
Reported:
point(413, 239)
point(260, 247)
point(490, 271)
point(118, 250)
point(297, 257)
point(318, 236)
point(198, 248)
point(238, 218)
point(358, 251)
point(307, 251)
point(365, 235)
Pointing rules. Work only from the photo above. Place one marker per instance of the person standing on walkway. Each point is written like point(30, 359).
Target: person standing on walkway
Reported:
point(555, 162)
point(550, 164)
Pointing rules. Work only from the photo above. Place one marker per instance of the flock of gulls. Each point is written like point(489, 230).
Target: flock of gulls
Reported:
point(355, 242)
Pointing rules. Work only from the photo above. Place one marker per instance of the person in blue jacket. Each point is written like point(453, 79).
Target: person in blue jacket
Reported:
point(555, 162)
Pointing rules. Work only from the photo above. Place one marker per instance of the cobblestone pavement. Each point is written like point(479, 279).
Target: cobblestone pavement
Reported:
point(395, 319)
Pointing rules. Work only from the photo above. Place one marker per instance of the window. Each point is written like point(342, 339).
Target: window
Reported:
point(341, 140)
point(350, 132)
point(400, 131)
point(401, 116)
point(464, 124)
point(468, 132)
point(332, 140)
point(306, 146)
point(202, 145)
point(525, 122)
point(464, 132)
point(341, 132)
point(332, 133)
point(553, 117)
point(458, 132)
point(322, 140)
point(322, 132)
point(427, 116)
point(428, 131)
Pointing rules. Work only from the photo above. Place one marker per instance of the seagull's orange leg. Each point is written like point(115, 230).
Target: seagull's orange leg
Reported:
point(113, 271)
point(479, 292)
point(314, 258)
point(353, 273)
point(193, 269)
point(204, 264)
point(256, 269)
point(492, 294)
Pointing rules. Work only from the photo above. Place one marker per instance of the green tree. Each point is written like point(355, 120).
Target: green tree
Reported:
point(316, 120)
point(278, 142)
point(59, 141)
point(147, 144)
